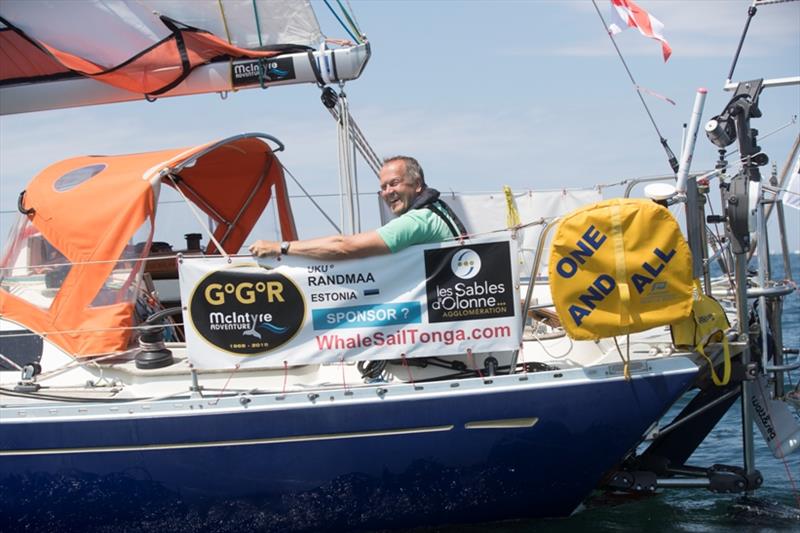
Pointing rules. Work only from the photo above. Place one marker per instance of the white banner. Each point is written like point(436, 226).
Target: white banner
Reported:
point(431, 300)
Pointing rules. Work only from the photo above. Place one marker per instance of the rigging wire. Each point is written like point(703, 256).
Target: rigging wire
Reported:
point(349, 19)
point(260, 44)
point(311, 198)
point(673, 161)
point(356, 39)
point(224, 22)
point(791, 122)
point(353, 15)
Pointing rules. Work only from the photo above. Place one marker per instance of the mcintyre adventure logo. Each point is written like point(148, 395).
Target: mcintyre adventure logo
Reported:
point(469, 282)
point(254, 72)
point(246, 312)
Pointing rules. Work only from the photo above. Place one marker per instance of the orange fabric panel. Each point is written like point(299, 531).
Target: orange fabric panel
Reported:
point(90, 225)
point(85, 222)
point(90, 332)
point(100, 330)
point(27, 315)
point(159, 66)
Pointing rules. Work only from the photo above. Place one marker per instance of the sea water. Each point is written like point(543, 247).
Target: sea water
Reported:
point(775, 507)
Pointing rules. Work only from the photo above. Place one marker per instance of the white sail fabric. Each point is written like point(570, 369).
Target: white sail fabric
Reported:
point(239, 21)
point(108, 32)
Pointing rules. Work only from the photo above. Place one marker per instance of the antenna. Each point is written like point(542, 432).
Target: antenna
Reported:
point(673, 161)
point(774, 82)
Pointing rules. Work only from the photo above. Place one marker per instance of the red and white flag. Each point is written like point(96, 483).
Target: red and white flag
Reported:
point(624, 13)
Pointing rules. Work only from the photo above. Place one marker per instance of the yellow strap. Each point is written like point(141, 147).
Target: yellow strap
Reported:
point(512, 216)
point(626, 363)
point(699, 288)
point(726, 363)
point(622, 272)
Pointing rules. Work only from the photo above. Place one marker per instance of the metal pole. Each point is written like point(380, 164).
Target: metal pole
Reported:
point(782, 178)
point(532, 281)
point(740, 273)
point(688, 147)
point(787, 267)
point(763, 274)
point(695, 226)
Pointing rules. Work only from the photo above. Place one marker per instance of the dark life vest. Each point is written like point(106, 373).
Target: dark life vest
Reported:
point(429, 199)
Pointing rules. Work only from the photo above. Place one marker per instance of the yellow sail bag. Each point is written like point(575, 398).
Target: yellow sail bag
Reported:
point(618, 267)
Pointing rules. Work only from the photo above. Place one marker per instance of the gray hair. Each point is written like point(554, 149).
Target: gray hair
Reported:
point(413, 169)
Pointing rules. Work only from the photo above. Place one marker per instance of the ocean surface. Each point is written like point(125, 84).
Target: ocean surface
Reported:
point(775, 507)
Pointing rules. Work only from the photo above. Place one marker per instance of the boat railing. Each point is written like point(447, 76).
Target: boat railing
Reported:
point(547, 226)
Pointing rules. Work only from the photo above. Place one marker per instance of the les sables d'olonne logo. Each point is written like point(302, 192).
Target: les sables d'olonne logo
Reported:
point(469, 282)
point(246, 313)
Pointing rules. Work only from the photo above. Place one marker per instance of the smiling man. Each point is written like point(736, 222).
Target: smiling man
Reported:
point(421, 218)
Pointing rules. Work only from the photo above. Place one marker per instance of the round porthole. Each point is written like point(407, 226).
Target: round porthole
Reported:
point(73, 178)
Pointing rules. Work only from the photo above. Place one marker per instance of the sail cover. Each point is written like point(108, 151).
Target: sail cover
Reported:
point(71, 269)
point(145, 46)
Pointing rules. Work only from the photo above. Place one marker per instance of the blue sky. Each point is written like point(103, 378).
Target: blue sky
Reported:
point(528, 94)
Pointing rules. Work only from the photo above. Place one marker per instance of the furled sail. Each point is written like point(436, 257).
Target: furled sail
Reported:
point(156, 47)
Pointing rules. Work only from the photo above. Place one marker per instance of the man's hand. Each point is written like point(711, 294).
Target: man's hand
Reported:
point(265, 248)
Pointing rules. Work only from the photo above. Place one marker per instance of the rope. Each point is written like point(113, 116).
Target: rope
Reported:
point(512, 215)
point(260, 44)
point(344, 377)
point(471, 360)
point(792, 121)
point(235, 369)
point(626, 370)
point(10, 362)
point(85, 361)
point(340, 21)
point(521, 353)
point(224, 22)
point(349, 20)
point(96, 262)
point(355, 20)
point(285, 376)
point(673, 161)
point(408, 368)
point(94, 330)
point(551, 355)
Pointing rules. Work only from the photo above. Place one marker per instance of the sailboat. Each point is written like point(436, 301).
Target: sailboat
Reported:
point(174, 380)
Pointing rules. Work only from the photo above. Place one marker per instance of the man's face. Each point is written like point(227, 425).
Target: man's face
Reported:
point(396, 190)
